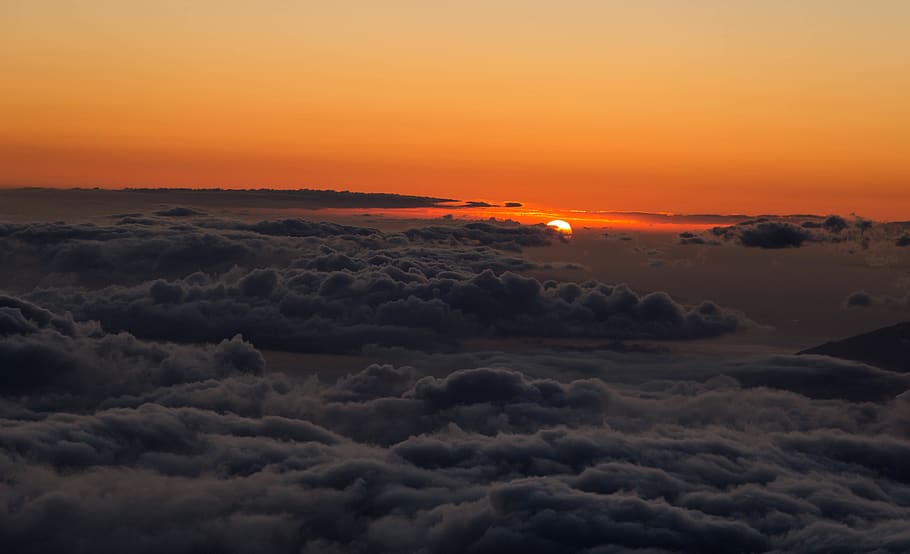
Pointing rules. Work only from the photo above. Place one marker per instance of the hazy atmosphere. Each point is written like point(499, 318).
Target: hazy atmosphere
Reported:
point(768, 106)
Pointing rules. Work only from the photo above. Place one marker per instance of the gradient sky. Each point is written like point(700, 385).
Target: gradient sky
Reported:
point(685, 106)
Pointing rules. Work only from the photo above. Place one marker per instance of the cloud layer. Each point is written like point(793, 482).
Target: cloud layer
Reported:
point(138, 412)
point(776, 232)
point(115, 443)
point(302, 286)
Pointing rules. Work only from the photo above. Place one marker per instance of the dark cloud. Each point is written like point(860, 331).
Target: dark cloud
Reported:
point(20, 317)
point(180, 211)
point(790, 231)
point(85, 365)
point(345, 308)
point(295, 228)
point(137, 413)
point(835, 224)
point(303, 286)
point(506, 236)
point(57, 254)
point(863, 299)
point(859, 299)
point(688, 237)
point(114, 444)
point(773, 235)
point(135, 220)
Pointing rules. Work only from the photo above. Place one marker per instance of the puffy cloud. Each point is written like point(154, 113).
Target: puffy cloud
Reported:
point(835, 224)
point(788, 232)
point(863, 299)
point(691, 238)
point(136, 249)
point(773, 235)
point(78, 364)
point(114, 443)
point(303, 286)
point(339, 310)
point(859, 298)
point(20, 317)
point(506, 236)
point(134, 418)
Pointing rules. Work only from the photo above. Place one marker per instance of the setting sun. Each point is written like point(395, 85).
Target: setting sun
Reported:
point(560, 226)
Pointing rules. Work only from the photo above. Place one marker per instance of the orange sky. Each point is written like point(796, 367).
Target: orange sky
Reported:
point(686, 106)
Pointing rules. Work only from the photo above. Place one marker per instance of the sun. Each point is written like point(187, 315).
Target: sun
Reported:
point(560, 226)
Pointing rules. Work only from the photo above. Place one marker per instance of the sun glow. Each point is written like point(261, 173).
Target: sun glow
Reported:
point(560, 226)
point(455, 99)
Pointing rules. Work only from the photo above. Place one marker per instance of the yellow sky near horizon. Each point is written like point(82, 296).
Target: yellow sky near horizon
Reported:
point(685, 106)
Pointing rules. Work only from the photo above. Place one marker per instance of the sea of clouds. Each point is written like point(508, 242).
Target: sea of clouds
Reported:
point(137, 412)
